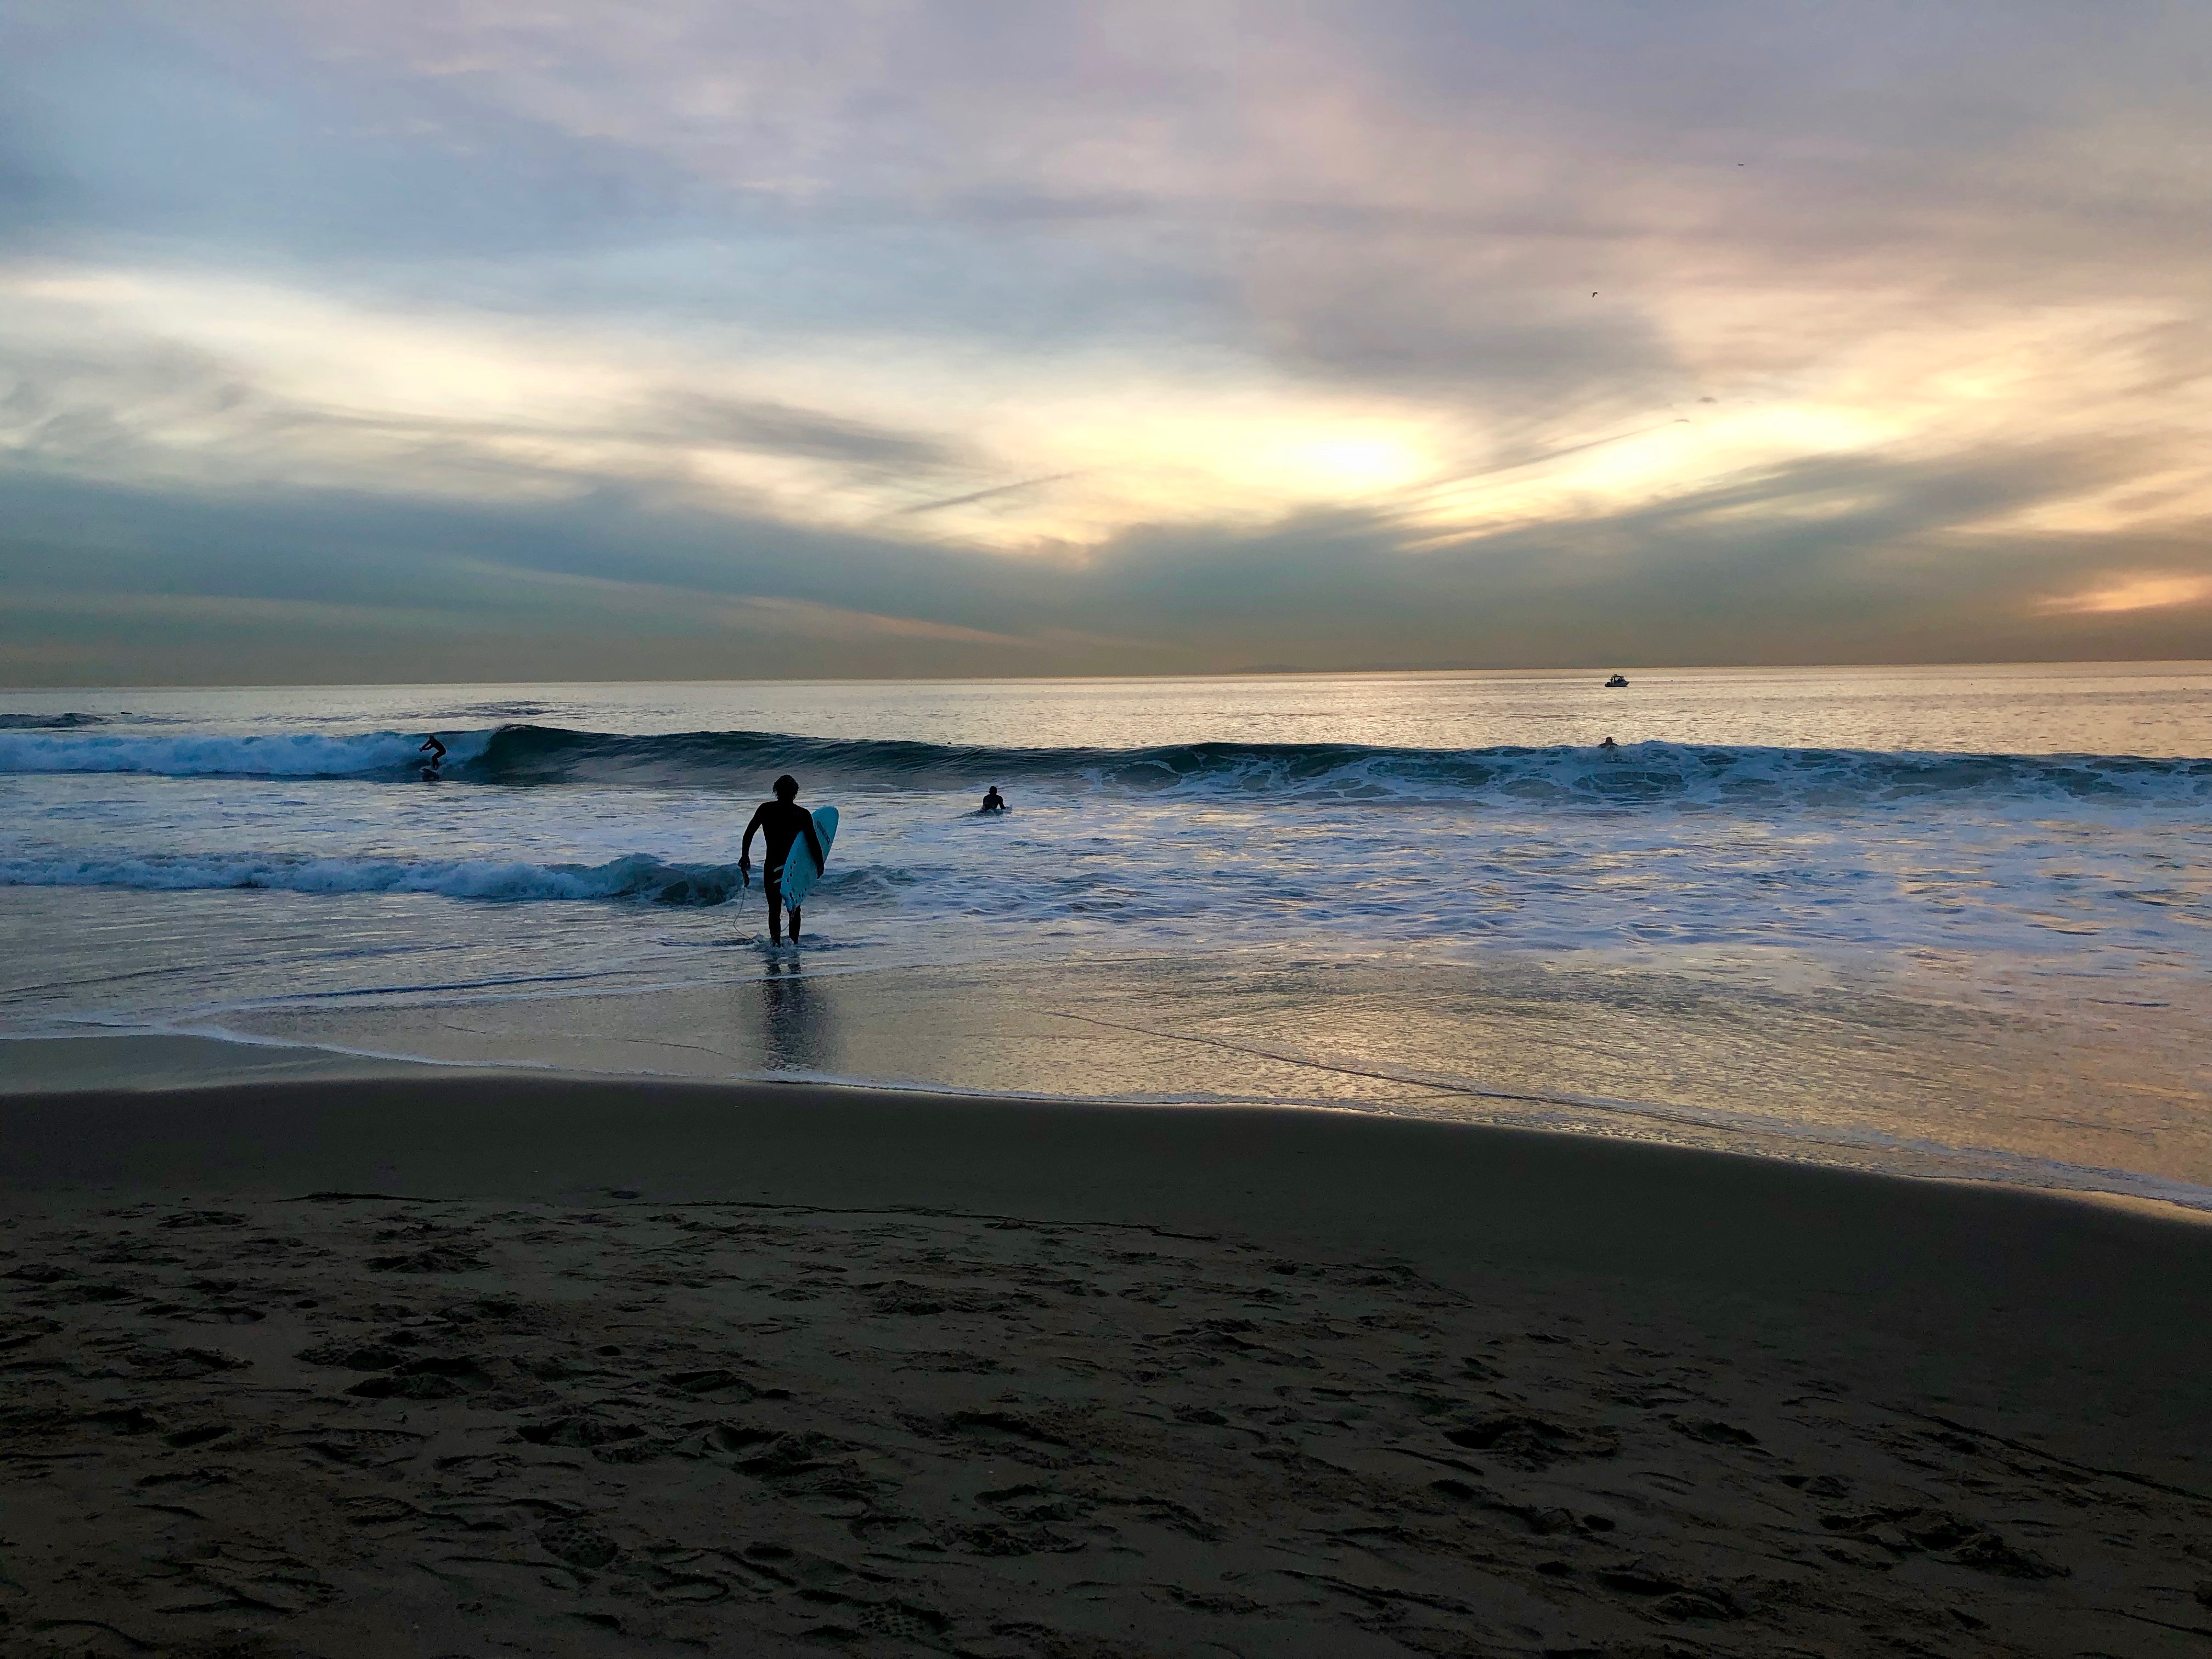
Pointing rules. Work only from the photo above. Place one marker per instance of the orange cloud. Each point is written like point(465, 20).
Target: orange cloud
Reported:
point(2138, 593)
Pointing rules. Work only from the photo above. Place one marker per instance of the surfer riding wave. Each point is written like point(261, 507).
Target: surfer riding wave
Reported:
point(780, 823)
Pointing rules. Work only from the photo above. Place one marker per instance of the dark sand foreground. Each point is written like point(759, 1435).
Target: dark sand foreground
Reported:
point(473, 1364)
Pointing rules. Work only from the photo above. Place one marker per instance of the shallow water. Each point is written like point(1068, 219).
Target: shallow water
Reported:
point(1949, 919)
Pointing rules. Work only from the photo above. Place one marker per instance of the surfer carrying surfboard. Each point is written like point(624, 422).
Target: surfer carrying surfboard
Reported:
point(780, 823)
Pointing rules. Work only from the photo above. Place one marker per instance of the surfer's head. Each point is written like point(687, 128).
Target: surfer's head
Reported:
point(787, 787)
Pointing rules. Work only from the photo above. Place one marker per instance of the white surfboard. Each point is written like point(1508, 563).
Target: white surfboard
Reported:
point(800, 871)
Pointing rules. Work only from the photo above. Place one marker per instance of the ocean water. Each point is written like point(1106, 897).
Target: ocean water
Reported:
point(1953, 921)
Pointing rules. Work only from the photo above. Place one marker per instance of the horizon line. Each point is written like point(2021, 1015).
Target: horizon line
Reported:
point(1254, 671)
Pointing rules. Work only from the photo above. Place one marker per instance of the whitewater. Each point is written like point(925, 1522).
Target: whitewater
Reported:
point(1809, 912)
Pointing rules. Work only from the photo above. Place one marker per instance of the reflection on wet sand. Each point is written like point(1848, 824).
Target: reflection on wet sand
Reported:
point(798, 1024)
point(1841, 1073)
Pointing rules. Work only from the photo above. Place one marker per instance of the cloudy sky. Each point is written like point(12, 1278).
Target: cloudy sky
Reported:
point(494, 339)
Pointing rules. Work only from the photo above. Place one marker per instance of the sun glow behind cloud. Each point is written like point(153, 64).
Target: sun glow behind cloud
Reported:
point(485, 406)
point(481, 405)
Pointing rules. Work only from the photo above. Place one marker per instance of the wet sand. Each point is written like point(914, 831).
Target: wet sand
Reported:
point(442, 1363)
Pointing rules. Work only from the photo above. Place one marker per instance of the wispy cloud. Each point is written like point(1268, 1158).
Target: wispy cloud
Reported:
point(995, 492)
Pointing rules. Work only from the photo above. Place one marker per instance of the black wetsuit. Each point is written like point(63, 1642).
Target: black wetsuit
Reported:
point(780, 823)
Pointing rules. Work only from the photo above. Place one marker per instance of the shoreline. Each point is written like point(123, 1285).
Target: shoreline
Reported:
point(414, 1361)
point(152, 1061)
point(447, 1133)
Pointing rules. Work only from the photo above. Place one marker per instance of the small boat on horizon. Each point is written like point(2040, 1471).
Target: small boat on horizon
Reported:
point(1618, 679)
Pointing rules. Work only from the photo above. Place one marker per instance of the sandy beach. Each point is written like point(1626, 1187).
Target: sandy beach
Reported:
point(447, 1363)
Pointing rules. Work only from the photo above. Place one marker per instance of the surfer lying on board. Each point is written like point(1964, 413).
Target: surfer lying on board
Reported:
point(780, 822)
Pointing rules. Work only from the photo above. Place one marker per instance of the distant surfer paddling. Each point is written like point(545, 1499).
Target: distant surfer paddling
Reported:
point(436, 752)
point(780, 823)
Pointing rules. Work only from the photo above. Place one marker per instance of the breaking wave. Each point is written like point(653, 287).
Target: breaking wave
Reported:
point(49, 722)
point(287, 755)
point(637, 876)
point(520, 755)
